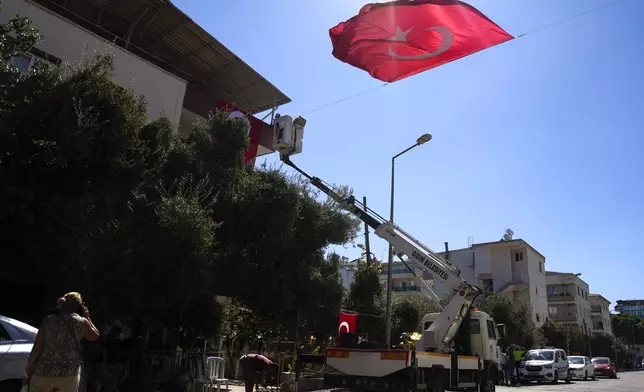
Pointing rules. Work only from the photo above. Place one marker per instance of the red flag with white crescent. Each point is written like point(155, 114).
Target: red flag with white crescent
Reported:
point(347, 323)
point(254, 126)
point(398, 39)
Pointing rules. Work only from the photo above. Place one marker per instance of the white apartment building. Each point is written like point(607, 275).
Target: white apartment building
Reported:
point(600, 314)
point(347, 273)
point(403, 281)
point(510, 266)
point(568, 300)
point(160, 53)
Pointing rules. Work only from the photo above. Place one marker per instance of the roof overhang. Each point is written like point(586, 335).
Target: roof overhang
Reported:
point(159, 32)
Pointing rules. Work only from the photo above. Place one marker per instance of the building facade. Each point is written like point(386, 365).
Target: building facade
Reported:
point(347, 273)
point(159, 52)
point(600, 314)
point(403, 281)
point(633, 307)
point(512, 267)
point(568, 300)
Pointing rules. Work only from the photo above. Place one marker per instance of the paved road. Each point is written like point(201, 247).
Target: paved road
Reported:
point(626, 382)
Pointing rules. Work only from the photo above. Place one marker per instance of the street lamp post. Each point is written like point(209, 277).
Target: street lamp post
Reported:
point(421, 140)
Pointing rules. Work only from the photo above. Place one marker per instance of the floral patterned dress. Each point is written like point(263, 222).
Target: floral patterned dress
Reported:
point(61, 356)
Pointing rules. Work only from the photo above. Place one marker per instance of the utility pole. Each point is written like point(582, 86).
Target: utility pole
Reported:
point(366, 234)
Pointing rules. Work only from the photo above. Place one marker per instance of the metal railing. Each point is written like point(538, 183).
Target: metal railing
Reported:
point(406, 288)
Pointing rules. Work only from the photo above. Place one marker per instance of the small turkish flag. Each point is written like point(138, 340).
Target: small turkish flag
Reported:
point(347, 323)
point(254, 126)
point(398, 39)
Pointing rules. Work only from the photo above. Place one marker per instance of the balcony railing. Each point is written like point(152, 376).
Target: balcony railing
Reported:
point(396, 271)
point(564, 317)
point(406, 288)
point(560, 297)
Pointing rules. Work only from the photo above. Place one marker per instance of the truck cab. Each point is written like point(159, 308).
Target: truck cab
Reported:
point(478, 335)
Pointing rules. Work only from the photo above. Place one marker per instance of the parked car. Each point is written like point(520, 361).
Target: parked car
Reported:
point(605, 367)
point(581, 367)
point(16, 341)
point(545, 364)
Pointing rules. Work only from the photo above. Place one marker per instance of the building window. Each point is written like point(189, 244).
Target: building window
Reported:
point(536, 290)
point(540, 267)
point(551, 291)
point(24, 62)
point(538, 320)
point(552, 310)
point(488, 285)
point(518, 256)
point(578, 291)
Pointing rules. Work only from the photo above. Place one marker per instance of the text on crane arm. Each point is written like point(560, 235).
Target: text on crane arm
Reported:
point(430, 265)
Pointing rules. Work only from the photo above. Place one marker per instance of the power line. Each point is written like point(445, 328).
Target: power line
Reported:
point(568, 19)
point(347, 98)
point(545, 27)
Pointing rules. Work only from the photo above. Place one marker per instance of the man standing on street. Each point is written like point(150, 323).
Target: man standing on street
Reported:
point(251, 364)
point(518, 354)
point(508, 367)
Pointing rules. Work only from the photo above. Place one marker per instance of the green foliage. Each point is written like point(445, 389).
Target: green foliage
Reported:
point(628, 327)
point(366, 297)
point(16, 37)
point(604, 345)
point(520, 329)
point(150, 226)
point(408, 312)
point(564, 336)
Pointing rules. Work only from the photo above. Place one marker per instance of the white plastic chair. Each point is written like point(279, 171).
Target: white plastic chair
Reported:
point(215, 372)
point(196, 373)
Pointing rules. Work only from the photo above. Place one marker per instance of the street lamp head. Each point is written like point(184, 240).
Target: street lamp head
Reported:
point(424, 139)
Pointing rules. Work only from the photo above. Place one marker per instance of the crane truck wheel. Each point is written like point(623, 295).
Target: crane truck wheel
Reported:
point(490, 379)
point(436, 379)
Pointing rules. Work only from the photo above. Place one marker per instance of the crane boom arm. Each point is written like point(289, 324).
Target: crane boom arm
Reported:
point(441, 333)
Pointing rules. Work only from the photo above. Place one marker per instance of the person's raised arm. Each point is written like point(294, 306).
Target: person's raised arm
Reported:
point(90, 332)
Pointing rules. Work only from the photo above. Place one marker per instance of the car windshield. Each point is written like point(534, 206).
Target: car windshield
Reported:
point(540, 355)
point(576, 360)
point(25, 331)
point(601, 361)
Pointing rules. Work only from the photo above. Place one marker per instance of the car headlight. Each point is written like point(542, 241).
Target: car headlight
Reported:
point(547, 366)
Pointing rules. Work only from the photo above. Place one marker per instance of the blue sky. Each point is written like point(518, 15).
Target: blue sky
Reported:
point(540, 134)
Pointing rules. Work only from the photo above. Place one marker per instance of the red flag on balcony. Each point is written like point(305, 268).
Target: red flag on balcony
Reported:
point(254, 128)
point(398, 39)
point(347, 323)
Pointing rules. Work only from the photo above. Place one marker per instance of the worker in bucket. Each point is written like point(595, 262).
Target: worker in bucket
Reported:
point(251, 365)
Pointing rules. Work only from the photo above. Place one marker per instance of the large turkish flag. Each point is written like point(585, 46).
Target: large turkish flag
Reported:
point(398, 39)
point(254, 128)
point(347, 323)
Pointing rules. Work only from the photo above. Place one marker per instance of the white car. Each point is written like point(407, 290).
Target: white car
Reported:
point(545, 364)
point(581, 367)
point(16, 342)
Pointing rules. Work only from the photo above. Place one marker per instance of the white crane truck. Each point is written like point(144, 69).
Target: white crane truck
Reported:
point(438, 362)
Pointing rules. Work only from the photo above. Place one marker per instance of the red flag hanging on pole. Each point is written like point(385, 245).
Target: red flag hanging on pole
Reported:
point(347, 323)
point(398, 39)
point(254, 126)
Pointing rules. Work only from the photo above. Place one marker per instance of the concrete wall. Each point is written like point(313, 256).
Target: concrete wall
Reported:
point(163, 92)
point(347, 274)
point(496, 261)
point(603, 315)
point(579, 291)
point(537, 286)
